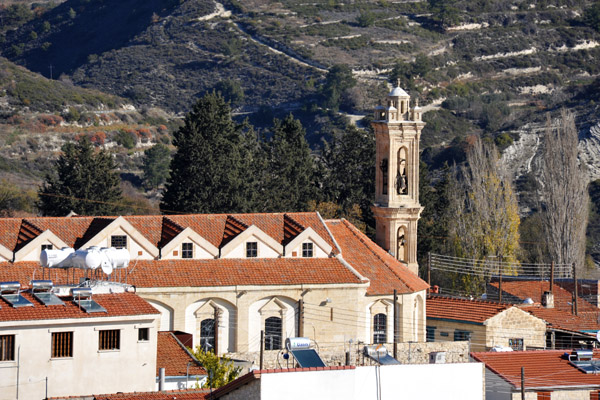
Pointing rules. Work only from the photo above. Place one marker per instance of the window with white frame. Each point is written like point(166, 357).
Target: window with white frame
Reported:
point(187, 250)
point(307, 249)
point(251, 249)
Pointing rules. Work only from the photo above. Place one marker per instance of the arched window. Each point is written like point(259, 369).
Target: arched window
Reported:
point(273, 333)
point(384, 176)
point(402, 174)
point(401, 244)
point(380, 328)
point(207, 334)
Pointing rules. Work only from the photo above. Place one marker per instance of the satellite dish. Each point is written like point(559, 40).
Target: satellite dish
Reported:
point(107, 268)
point(598, 336)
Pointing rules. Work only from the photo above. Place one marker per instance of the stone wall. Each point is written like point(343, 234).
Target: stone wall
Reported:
point(408, 353)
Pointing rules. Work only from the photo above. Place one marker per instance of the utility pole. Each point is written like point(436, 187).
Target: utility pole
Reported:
point(429, 272)
point(500, 271)
point(395, 319)
point(262, 348)
point(575, 289)
point(522, 383)
point(50, 66)
point(552, 277)
point(301, 317)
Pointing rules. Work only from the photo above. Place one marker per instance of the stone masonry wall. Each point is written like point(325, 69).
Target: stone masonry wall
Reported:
point(408, 353)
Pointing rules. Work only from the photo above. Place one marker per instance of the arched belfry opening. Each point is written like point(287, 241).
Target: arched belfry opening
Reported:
point(397, 208)
point(402, 173)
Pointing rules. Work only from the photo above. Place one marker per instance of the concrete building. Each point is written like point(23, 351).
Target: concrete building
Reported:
point(431, 381)
point(63, 350)
point(485, 324)
point(548, 375)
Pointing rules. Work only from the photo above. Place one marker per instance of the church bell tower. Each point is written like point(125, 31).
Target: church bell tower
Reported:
point(397, 132)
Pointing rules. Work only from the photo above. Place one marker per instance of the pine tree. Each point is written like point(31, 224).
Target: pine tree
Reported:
point(290, 170)
point(84, 181)
point(156, 165)
point(207, 171)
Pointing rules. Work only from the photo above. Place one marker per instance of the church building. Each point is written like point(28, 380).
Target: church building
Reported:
point(225, 278)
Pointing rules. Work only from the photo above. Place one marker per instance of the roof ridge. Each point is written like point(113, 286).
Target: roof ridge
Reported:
point(186, 349)
point(490, 302)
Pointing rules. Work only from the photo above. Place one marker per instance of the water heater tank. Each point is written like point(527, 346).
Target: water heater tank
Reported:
point(54, 258)
point(118, 258)
point(297, 343)
point(87, 259)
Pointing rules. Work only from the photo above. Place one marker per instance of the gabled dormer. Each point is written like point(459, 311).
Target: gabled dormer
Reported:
point(252, 243)
point(121, 234)
point(5, 254)
point(308, 244)
point(31, 250)
point(188, 244)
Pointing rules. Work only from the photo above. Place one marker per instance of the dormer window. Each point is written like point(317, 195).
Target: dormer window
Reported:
point(187, 250)
point(307, 249)
point(251, 249)
point(46, 247)
point(118, 241)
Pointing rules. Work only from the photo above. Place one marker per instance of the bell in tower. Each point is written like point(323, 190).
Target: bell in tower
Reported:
point(397, 210)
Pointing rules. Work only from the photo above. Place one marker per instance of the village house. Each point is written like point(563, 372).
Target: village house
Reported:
point(547, 374)
point(485, 324)
point(62, 346)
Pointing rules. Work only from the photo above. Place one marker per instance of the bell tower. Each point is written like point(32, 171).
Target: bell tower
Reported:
point(397, 132)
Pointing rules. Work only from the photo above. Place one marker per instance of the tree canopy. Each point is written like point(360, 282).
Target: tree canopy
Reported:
point(156, 165)
point(207, 170)
point(84, 180)
point(290, 170)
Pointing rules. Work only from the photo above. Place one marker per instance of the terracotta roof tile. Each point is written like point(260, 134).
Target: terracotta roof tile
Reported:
point(543, 369)
point(150, 226)
point(69, 230)
point(169, 230)
point(534, 289)
point(116, 304)
point(9, 232)
point(463, 309)
point(186, 394)
point(384, 271)
point(229, 272)
point(174, 358)
point(27, 232)
point(564, 320)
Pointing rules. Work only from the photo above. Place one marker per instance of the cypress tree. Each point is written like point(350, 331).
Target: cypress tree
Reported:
point(84, 181)
point(290, 171)
point(207, 168)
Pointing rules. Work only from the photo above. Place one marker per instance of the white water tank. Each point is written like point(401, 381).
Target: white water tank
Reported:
point(55, 258)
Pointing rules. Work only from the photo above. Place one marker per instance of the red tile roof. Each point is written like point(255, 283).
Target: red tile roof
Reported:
point(477, 311)
point(116, 304)
point(564, 320)
point(230, 272)
point(186, 394)
point(9, 232)
point(384, 271)
point(543, 369)
point(174, 357)
point(535, 289)
point(369, 260)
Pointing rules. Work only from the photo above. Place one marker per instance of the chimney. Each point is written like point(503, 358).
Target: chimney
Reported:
point(161, 379)
point(548, 300)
